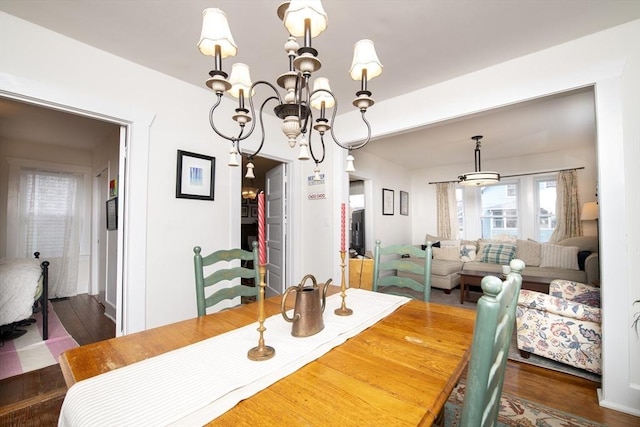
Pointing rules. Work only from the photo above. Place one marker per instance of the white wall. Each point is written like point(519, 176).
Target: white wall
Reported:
point(389, 229)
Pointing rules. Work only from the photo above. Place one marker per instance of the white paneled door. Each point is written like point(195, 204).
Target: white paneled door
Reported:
point(275, 218)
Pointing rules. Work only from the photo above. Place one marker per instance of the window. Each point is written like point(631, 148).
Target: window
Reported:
point(545, 197)
point(499, 211)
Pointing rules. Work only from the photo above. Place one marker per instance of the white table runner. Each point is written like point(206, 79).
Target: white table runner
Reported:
point(197, 383)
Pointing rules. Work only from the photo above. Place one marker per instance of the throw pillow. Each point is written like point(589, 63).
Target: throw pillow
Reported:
point(590, 298)
point(557, 256)
point(451, 253)
point(529, 252)
point(582, 257)
point(498, 253)
point(449, 243)
point(467, 253)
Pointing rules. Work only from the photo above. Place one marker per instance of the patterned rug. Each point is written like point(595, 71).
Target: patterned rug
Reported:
point(29, 352)
point(515, 411)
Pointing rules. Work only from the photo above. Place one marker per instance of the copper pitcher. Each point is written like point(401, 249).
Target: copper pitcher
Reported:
point(309, 306)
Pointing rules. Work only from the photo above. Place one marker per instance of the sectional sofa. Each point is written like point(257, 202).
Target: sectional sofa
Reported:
point(574, 259)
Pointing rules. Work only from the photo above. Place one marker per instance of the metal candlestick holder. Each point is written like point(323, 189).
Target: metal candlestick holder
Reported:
point(261, 352)
point(343, 310)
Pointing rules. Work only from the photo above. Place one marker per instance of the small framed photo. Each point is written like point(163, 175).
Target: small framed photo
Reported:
point(404, 203)
point(387, 201)
point(254, 212)
point(244, 211)
point(112, 214)
point(195, 177)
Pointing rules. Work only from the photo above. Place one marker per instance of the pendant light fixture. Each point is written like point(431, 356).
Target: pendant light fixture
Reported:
point(479, 177)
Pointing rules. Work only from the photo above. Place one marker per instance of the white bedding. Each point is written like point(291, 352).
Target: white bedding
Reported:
point(18, 286)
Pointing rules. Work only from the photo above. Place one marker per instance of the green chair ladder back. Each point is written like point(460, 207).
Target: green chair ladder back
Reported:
point(398, 264)
point(225, 274)
point(496, 312)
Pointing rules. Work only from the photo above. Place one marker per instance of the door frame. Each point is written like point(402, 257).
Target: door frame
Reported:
point(134, 163)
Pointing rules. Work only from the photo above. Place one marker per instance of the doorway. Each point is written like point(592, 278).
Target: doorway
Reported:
point(270, 177)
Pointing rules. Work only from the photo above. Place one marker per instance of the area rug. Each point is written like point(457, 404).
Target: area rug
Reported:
point(29, 352)
point(515, 411)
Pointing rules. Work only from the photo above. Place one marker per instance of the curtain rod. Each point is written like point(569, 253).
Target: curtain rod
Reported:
point(520, 174)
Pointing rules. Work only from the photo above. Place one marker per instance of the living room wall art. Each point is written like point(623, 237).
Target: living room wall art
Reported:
point(195, 177)
point(387, 201)
point(404, 203)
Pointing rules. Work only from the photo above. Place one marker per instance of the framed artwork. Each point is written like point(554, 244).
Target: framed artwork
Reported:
point(404, 203)
point(112, 214)
point(244, 211)
point(195, 177)
point(387, 201)
point(254, 211)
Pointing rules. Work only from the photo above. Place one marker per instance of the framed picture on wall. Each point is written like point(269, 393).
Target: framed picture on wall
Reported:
point(404, 203)
point(195, 176)
point(244, 211)
point(387, 201)
point(112, 214)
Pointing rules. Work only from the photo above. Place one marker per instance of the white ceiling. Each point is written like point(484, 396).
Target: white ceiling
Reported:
point(419, 42)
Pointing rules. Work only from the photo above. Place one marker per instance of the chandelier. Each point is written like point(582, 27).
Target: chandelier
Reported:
point(301, 18)
point(478, 178)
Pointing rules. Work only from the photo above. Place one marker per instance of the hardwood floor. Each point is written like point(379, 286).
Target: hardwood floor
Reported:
point(35, 398)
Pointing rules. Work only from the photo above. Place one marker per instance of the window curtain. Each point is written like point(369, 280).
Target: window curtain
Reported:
point(50, 222)
point(447, 215)
point(567, 207)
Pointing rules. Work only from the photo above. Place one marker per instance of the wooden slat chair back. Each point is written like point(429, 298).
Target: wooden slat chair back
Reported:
point(496, 311)
point(224, 273)
point(385, 272)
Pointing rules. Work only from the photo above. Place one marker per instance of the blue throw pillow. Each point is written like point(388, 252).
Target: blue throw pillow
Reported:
point(501, 253)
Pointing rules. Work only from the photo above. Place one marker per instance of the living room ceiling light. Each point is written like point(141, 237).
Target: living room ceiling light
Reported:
point(479, 177)
point(301, 18)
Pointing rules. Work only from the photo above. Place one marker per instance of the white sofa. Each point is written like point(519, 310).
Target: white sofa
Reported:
point(541, 259)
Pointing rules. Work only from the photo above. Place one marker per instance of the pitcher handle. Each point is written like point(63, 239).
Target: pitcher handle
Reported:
point(283, 309)
point(324, 293)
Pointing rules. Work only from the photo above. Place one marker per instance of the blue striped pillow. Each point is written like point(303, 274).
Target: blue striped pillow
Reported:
point(498, 253)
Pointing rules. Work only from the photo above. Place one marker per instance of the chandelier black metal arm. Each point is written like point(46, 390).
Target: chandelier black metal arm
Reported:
point(330, 124)
point(242, 109)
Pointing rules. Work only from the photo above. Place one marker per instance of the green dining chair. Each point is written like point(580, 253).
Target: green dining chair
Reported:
point(220, 262)
point(496, 312)
point(404, 267)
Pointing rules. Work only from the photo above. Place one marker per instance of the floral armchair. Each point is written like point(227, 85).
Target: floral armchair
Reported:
point(563, 326)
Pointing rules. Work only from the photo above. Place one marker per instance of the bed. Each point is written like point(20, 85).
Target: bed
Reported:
point(24, 290)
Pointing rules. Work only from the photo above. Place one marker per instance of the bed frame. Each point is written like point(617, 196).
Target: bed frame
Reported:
point(43, 301)
point(12, 330)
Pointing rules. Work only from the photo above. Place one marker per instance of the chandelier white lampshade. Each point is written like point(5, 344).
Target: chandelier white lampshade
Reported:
point(240, 79)
point(216, 32)
point(301, 18)
point(365, 58)
point(301, 10)
point(319, 97)
point(478, 178)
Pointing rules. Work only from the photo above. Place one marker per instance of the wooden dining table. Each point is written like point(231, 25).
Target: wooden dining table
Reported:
point(400, 371)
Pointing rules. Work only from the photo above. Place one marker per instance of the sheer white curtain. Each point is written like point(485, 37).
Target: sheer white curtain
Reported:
point(447, 215)
point(567, 207)
point(50, 220)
